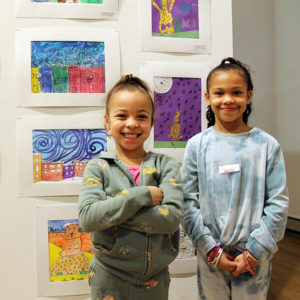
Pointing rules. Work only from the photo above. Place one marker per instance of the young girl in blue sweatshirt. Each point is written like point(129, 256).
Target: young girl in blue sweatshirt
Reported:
point(131, 201)
point(235, 192)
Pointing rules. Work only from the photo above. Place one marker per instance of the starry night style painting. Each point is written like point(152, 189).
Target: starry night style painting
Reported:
point(62, 154)
point(178, 109)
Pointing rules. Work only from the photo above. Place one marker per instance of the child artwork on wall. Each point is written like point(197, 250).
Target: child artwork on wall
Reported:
point(178, 97)
point(62, 154)
point(178, 105)
point(54, 151)
point(63, 251)
point(83, 9)
point(175, 18)
point(70, 1)
point(67, 67)
point(70, 251)
point(176, 26)
point(186, 260)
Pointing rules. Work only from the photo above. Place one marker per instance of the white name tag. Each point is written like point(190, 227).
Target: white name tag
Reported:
point(229, 168)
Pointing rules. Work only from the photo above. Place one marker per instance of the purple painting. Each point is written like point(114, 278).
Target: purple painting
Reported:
point(175, 18)
point(178, 111)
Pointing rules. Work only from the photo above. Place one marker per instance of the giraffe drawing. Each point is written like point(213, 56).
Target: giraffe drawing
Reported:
point(166, 18)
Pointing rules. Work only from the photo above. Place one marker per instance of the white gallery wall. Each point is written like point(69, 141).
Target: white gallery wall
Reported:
point(287, 62)
point(266, 36)
point(17, 226)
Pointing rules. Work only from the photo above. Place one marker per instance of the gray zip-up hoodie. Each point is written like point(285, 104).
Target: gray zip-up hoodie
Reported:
point(132, 238)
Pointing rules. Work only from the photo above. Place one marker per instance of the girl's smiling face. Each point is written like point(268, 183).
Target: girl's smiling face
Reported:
point(228, 97)
point(129, 120)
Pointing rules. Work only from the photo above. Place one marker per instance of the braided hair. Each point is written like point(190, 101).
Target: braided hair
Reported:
point(228, 64)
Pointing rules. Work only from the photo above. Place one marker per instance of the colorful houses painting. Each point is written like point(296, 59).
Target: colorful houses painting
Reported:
point(67, 67)
point(62, 154)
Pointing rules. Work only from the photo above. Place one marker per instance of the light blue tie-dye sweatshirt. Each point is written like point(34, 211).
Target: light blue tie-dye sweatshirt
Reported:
point(235, 191)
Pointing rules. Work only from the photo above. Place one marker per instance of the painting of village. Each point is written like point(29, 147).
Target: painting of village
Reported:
point(70, 1)
point(70, 251)
point(62, 154)
point(67, 67)
point(175, 18)
point(178, 104)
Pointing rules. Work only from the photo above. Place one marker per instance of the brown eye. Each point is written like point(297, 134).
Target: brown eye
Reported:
point(143, 117)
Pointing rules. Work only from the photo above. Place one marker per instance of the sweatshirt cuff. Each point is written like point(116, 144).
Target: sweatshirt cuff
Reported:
point(206, 243)
point(259, 251)
point(144, 195)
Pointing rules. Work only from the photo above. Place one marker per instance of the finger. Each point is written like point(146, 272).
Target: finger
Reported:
point(230, 257)
point(235, 274)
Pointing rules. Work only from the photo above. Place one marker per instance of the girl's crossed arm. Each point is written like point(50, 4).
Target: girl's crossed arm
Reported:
point(162, 218)
point(98, 211)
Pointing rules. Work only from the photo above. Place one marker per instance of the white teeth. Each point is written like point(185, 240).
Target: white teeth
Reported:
point(130, 135)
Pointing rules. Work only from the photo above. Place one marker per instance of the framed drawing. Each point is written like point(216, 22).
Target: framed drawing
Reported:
point(53, 152)
point(186, 261)
point(80, 9)
point(176, 26)
point(63, 251)
point(65, 67)
point(179, 103)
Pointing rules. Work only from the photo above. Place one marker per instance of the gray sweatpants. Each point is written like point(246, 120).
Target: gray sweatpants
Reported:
point(107, 286)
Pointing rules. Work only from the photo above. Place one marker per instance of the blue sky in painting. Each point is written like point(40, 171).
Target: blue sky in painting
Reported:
point(79, 53)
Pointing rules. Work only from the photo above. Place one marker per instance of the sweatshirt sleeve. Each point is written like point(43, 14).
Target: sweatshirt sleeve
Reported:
point(262, 241)
point(192, 221)
point(164, 218)
point(97, 210)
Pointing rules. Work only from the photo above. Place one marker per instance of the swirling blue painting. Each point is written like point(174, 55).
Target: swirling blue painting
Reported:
point(62, 154)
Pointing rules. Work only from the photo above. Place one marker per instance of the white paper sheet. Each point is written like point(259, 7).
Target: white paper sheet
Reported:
point(25, 126)
point(45, 286)
point(107, 10)
point(201, 45)
point(24, 37)
point(167, 71)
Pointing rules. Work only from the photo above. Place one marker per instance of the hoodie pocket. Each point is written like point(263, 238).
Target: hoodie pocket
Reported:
point(174, 241)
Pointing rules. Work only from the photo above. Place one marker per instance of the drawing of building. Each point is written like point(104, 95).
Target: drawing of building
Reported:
point(46, 78)
point(35, 82)
point(92, 80)
point(37, 167)
point(68, 171)
point(52, 171)
point(74, 79)
point(79, 167)
point(60, 79)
